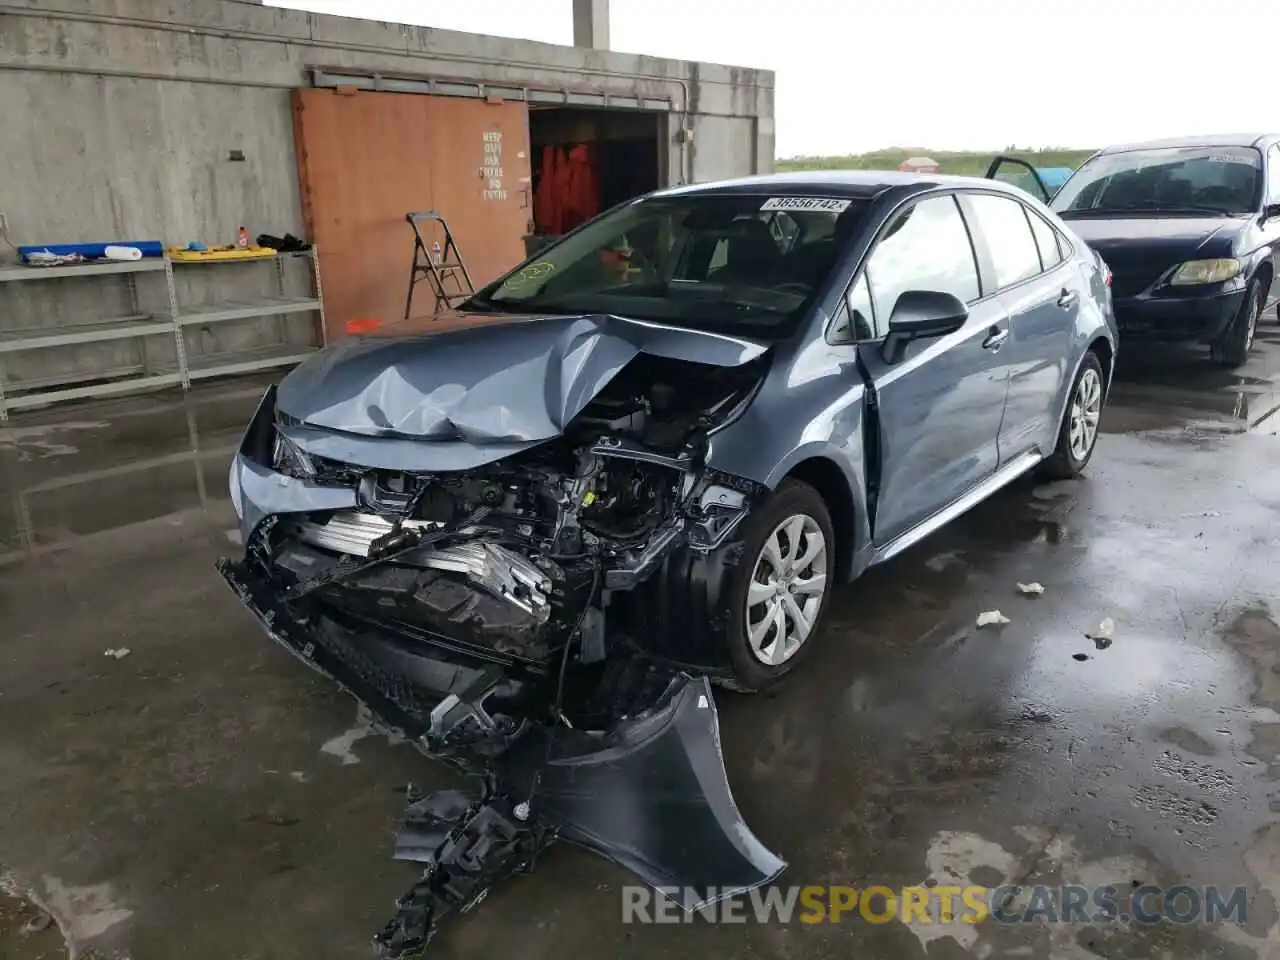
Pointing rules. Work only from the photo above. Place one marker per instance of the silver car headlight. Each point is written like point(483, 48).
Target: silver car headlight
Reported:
point(1197, 272)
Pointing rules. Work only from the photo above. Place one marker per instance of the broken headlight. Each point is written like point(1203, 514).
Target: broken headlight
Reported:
point(289, 459)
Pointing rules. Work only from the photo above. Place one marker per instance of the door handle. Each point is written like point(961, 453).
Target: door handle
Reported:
point(1067, 299)
point(996, 337)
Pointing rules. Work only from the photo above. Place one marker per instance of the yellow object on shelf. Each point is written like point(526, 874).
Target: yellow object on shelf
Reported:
point(221, 253)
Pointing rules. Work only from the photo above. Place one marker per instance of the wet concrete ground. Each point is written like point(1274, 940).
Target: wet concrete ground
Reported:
point(204, 796)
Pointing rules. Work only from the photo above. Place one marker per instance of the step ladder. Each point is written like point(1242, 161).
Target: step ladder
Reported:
point(439, 265)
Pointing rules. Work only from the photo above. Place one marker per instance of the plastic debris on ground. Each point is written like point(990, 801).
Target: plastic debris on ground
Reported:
point(1103, 634)
point(1033, 588)
point(992, 618)
point(117, 654)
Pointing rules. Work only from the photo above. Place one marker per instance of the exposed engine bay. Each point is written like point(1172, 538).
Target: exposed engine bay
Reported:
point(485, 615)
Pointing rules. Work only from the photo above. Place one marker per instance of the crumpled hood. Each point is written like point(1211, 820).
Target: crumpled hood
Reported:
point(493, 383)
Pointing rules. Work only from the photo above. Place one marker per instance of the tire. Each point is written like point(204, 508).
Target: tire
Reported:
point(793, 506)
point(1231, 347)
point(1084, 411)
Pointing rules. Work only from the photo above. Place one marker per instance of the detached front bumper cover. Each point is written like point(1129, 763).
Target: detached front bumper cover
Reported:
point(650, 794)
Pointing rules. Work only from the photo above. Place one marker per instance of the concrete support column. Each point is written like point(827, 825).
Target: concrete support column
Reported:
point(591, 24)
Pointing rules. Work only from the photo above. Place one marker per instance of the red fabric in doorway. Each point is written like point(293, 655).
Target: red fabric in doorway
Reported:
point(546, 209)
point(581, 187)
point(568, 191)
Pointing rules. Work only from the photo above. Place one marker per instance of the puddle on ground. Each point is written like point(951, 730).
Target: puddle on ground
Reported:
point(1255, 634)
point(26, 931)
point(1188, 740)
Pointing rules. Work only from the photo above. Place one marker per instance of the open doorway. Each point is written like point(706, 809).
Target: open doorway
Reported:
point(585, 161)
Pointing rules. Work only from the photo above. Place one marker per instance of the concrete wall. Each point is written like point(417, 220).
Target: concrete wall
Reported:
point(120, 116)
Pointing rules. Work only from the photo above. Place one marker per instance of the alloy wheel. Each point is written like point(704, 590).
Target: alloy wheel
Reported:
point(1255, 308)
point(1086, 409)
point(788, 583)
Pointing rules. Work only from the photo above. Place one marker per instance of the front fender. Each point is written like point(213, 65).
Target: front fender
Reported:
point(829, 443)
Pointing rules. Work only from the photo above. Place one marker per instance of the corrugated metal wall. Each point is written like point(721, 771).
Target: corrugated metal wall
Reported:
point(366, 159)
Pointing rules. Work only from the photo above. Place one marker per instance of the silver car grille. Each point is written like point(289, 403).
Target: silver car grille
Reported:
point(354, 532)
point(501, 572)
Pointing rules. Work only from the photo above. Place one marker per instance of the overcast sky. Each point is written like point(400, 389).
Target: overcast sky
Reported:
point(855, 75)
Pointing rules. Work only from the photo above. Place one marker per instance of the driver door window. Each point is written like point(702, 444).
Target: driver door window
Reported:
point(927, 247)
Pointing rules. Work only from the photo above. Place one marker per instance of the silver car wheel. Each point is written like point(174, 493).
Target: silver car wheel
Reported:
point(788, 582)
point(1255, 309)
point(1086, 409)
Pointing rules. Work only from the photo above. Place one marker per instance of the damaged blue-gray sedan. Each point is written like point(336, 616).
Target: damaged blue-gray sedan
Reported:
point(529, 544)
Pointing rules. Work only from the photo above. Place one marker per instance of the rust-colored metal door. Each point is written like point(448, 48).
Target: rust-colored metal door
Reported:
point(366, 159)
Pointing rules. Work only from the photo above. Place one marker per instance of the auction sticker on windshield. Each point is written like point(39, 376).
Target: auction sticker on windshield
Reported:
point(1234, 156)
point(814, 204)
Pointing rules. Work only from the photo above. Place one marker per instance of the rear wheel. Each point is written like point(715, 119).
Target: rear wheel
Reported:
point(780, 589)
point(1232, 346)
point(1078, 434)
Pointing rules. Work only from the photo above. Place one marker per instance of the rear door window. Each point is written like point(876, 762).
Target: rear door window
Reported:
point(1046, 240)
point(926, 247)
point(1003, 224)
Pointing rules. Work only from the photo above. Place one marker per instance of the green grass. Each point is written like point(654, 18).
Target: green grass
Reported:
point(955, 162)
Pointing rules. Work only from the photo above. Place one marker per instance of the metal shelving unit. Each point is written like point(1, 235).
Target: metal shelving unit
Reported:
point(36, 393)
point(262, 358)
point(152, 265)
point(136, 324)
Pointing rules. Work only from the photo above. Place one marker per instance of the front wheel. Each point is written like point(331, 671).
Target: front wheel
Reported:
point(1078, 433)
point(780, 588)
point(1231, 347)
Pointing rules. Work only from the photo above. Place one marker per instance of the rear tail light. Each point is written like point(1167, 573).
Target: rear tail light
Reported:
point(1106, 272)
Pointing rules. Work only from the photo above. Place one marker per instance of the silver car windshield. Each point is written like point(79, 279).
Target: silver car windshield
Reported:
point(734, 264)
point(1186, 181)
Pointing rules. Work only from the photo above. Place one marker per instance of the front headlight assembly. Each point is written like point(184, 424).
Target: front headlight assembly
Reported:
point(288, 459)
point(1199, 272)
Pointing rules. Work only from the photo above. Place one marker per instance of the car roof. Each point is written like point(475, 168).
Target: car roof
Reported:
point(1207, 140)
point(857, 184)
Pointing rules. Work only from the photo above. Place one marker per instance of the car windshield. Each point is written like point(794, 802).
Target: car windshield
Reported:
point(732, 264)
point(1180, 181)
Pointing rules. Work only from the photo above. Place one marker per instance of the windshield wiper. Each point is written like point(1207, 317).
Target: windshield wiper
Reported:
point(1147, 207)
point(523, 305)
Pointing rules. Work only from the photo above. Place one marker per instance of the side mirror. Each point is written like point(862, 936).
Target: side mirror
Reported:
point(918, 314)
point(1271, 211)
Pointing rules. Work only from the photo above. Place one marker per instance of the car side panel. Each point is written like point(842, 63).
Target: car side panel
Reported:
point(1269, 230)
point(939, 419)
point(1094, 321)
point(1262, 250)
point(1040, 352)
point(813, 400)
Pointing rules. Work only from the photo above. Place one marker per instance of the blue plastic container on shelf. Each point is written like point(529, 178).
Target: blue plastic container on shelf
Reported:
point(149, 248)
